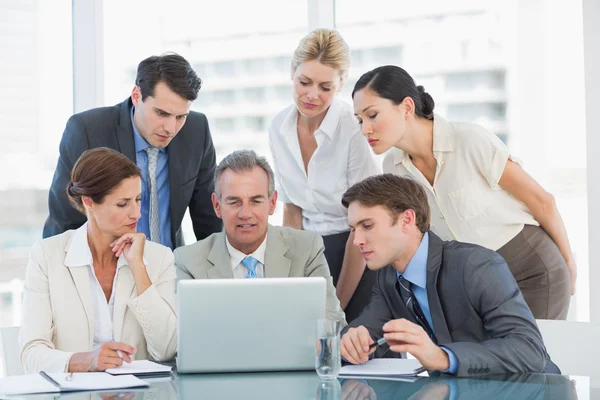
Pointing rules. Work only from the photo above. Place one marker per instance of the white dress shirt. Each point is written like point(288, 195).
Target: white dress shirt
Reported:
point(466, 200)
point(236, 257)
point(342, 158)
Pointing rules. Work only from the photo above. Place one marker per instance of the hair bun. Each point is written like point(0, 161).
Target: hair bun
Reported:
point(72, 189)
point(427, 103)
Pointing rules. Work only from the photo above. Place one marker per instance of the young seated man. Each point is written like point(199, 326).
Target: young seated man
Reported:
point(249, 247)
point(454, 306)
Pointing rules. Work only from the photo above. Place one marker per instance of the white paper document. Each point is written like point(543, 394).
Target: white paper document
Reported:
point(36, 383)
point(384, 367)
point(142, 367)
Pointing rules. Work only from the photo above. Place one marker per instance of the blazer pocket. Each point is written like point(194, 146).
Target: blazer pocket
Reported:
point(469, 201)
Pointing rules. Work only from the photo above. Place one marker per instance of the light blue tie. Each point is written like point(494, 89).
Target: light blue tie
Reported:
point(250, 263)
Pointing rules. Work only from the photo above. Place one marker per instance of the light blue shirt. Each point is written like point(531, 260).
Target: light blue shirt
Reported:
point(162, 183)
point(416, 273)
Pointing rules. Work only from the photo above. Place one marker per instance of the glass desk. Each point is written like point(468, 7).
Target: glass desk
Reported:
point(306, 385)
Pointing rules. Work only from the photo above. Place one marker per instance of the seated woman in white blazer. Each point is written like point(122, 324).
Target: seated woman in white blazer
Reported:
point(101, 294)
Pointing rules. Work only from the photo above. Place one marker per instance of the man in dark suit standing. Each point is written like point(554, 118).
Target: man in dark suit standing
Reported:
point(170, 144)
point(454, 306)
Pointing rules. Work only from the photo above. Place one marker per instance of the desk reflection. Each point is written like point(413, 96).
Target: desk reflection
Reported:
point(513, 387)
point(306, 385)
point(258, 385)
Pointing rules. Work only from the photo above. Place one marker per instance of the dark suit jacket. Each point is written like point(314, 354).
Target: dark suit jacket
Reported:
point(477, 309)
point(191, 168)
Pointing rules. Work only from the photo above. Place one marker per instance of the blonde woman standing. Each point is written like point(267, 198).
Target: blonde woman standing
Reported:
point(318, 153)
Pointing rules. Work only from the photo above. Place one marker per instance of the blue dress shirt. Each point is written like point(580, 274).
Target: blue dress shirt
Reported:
point(416, 274)
point(162, 183)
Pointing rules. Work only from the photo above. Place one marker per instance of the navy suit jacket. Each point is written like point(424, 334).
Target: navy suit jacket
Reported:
point(192, 163)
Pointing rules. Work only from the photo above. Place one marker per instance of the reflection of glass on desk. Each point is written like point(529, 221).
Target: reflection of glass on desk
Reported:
point(328, 360)
point(329, 389)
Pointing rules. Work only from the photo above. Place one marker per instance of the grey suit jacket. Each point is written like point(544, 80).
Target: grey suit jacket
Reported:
point(477, 309)
point(191, 167)
point(289, 253)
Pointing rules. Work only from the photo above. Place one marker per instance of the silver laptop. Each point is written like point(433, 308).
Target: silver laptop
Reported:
point(246, 325)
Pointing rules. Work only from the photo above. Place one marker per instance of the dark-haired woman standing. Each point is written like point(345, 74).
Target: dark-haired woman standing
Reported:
point(478, 193)
point(100, 295)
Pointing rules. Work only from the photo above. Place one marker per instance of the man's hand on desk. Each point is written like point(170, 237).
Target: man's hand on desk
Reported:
point(406, 337)
point(354, 345)
point(109, 355)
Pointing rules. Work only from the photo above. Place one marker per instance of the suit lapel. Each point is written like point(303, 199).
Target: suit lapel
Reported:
point(125, 285)
point(176, 172)
point(81, 278)
point(219, 258)
point(398, 306)
point(80, 274)
point(434, 262)
point(277, 265)
point(124, 131)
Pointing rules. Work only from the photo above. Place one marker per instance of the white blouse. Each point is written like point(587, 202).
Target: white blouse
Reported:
point(467, 203)
point(342, 158)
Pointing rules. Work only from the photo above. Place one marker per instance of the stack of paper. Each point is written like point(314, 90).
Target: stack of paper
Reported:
point(36, 383)
point(143, 368)
point(383, 368)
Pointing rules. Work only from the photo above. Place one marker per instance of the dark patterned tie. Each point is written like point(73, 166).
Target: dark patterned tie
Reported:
point(413, 306)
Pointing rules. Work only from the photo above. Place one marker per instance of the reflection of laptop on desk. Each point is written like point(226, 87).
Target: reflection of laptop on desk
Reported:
point(241, 325)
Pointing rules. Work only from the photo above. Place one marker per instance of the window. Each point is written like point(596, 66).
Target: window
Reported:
point(240, 50)
point(35, 102)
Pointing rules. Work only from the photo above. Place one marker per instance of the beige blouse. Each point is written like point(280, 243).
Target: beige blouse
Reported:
point(466, 200)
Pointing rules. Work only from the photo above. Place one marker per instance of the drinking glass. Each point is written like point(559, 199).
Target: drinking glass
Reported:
point(328, 360)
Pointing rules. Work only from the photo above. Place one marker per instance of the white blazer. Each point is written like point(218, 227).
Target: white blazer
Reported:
point(58, 309)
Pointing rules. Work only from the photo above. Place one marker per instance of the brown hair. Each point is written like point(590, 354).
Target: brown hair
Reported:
point(96, 173)
point(395, 193)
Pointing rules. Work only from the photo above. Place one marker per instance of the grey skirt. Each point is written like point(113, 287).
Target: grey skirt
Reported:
point(540, 271)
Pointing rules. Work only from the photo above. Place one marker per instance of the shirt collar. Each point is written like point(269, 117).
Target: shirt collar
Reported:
point(330, 123)
point(441, 134)
point(328, 126)
point(79, 253)
point(237, 256)
point(416, 270)
point(441, 139)
point(140, 143)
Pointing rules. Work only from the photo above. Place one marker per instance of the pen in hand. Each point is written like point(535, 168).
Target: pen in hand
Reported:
point(378, 343)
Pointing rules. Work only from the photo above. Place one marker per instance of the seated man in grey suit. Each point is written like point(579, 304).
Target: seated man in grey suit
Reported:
point(454, 306)
point(171, 145)
point(244, 198)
